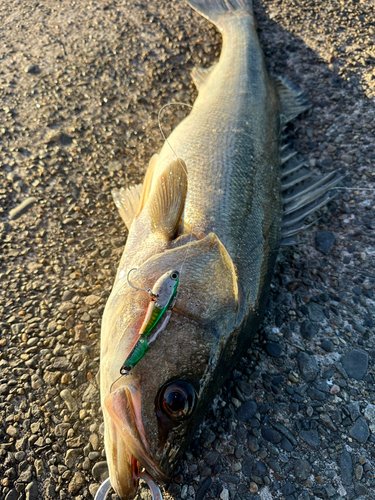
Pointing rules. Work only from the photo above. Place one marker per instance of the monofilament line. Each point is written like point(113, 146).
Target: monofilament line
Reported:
point(174, 152)
point(161, 129)
point(355, 189)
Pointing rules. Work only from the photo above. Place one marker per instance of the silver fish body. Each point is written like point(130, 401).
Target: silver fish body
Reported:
point(214, 215)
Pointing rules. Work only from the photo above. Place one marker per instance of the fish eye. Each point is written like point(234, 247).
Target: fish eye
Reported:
point(177, 400)
point(174, 275)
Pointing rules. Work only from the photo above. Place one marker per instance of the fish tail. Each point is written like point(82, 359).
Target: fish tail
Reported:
point(218, 10)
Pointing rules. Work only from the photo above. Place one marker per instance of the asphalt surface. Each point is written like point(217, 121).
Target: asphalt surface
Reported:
point(81, 84)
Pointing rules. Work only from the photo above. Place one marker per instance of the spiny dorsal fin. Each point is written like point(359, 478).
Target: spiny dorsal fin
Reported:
point(166, 202)
point(127, 202)
point(147, 182)
point(200, 75)
point(130, 201)
point(292, 98)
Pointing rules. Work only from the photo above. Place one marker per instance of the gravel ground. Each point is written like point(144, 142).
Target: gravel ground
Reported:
point(81, 84)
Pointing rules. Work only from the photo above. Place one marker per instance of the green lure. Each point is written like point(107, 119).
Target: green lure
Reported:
point(163, 297)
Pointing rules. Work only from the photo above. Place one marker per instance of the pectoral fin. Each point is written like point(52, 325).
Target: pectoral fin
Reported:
point(208, 289)
point(166, 202)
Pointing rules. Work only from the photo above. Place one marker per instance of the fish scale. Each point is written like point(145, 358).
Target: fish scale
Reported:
point(230, 144)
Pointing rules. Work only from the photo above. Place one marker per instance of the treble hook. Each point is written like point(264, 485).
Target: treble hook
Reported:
point(149, 291)
point(102, 493)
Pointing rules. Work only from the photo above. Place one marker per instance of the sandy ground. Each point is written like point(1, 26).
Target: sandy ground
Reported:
point(81, 84)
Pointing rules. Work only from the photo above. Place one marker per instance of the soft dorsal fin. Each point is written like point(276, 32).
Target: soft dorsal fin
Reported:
point(130, 201)
point(292, 98)
point(166, 202)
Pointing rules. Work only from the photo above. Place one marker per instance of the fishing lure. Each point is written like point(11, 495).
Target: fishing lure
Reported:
point(163, 297)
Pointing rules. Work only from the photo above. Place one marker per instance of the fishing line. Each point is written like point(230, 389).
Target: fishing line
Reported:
point(355, 188)
point(161, 129)
point(177, 157)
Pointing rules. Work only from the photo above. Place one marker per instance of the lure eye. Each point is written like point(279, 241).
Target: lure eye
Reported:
point(174, 275)
point(177, 400)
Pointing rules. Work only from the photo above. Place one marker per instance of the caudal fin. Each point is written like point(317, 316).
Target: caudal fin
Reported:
point(214, 9)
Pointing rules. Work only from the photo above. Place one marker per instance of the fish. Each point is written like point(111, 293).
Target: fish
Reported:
point(216, 203)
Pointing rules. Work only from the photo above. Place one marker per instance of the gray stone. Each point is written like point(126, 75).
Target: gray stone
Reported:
point(203, 488)
point(71, 456)
point(51, 378)
point(308, 366)
point(247, 411)
point(12, 431)
point(302, 469)
point(360, 430)
point(346, 464)
point(316, 312)
point(361, 490)
point(80, 333)
point(327, 421)
point(17, 328)
point(22, 208)
point(67, 296)
point(288, 488)
point(65, 307)
point(271, 435)
point(91, 300)
point(208, 437)
point(324, 241)
point(211, 458)
point(26, 475)
point(308, 330)
point(327, 345)
point(62, 364)
point(354, 410)
point(94, 441)
point(286, 432)
point(330, 490)
point(114, 166)
point(77, 482)
point(61, 430)
point(12, 495)
point(32, 491)
point(68, 399)
point(91, 394)
point(286, 445)
point(100, 471)
point(253, 444)
point(358, 472)
point(274, 349)
point(93, 488)
point(355, 363)
point(369, 413)
point(311, 437)
point(32, 69)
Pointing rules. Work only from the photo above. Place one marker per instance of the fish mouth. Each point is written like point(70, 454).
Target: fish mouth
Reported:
point(128, 451)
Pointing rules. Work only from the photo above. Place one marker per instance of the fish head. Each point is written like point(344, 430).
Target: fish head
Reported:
point(150, 415)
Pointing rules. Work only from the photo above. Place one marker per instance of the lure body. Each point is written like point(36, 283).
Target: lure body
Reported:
point(164, 294)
